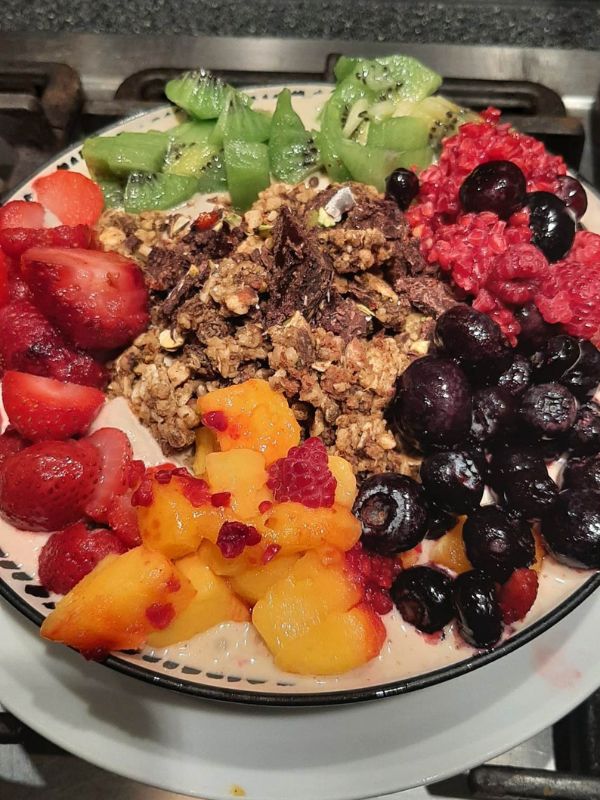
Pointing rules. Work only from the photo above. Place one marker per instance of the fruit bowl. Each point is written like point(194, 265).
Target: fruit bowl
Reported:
point(229, 662)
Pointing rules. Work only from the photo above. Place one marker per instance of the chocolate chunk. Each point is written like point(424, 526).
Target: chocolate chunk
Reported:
point(342, 317)
point(428, 295)
point(164, 267)
point(301, 276)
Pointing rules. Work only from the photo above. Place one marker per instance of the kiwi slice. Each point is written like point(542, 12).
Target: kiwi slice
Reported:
point(194, 131)
point(189, 159)
point(126, 152)
point(372, 165)
point(399, 133)
point(213, 177)
point(112, 189)
point(240, 123)
point(292, 151)
point(157, 192)
point(200, 93)
point(329, 138)
point(247, 169)
point(442, 116)
point(397, 78)
point(345, 66)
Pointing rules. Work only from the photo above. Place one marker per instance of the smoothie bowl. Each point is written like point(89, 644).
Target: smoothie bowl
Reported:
point(301, 416)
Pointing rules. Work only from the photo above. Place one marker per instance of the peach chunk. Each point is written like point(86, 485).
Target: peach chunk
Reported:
point(296, 528)
point(294, 605)
point(254, 583)
point(251, 415)
point(119, 603)
point(343, 641)
point(250, 558)
point(174, 526)
point(449, 550)
point(206, 442)
point(242, 473)
point(540, 550)
point(345, 491)
point(214, 603)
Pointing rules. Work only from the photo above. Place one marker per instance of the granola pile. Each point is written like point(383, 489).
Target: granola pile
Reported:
point(329, 312)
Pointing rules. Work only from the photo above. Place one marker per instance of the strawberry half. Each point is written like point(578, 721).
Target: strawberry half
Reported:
point(4, 279)
point(15, 241)
point(46, 486)
point(29, 343)
point(21, 214)
point(11, 442)
point(518, 594)
point(44, 408)
point(69, 555)
point(73, 198)
point(115, 456)
point(97, 299)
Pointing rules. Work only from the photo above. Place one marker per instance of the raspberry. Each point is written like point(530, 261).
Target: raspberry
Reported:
point(69, 555)
point(518, 594)
point(375, 574)
point(303, 476)
point(234, 536)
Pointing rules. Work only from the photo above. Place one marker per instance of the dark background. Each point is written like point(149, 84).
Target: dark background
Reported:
point(537, 23)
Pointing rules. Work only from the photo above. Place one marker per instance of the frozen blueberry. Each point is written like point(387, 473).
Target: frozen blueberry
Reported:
point(474, 340)
point(516, 379)
point(582, 474)
point(572, 530)
point(477, 610)
point(535, 331)
point(497, 542)
point(548, 409)
point(423, 596)
point(494, 414)
point(453, 480)
point(584, 436)
point(575, 363)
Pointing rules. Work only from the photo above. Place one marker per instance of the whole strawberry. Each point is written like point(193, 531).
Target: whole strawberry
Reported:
point(69, 555)
point(46, 486)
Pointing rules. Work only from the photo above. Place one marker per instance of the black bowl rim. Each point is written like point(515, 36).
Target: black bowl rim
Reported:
point(303, 699)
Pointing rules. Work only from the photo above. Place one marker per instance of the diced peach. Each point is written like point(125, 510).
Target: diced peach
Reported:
point(295, 527)
point(449, 550)
point(410, 558)
point(254, 583)
point(119, 603)
point(343, 641)
point(540, 550)
point(242, 473)
point(174, 526)
point(306, 597)
point(206, 442)
point(250, 558)
point(252, 416)
point(345, 491)
point(214, 603)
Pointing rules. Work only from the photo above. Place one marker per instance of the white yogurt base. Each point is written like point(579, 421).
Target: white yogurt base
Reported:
point(236, 648)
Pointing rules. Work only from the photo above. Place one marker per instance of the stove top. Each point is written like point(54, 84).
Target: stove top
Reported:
point(57, 89)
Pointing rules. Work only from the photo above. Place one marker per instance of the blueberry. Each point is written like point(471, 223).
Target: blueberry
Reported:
point(531, 492)
point(582, 474)
point(572, 530)
point(432, 405)
point(497, 542)
point(548, 409)
point(516, 379)
point(402, 186)
point(584, 436)
point(511, 460)
point(497, 186)
point(575, 363)
point(535, 331)
point(423, 595)
point(473, 339)
point(552, 225)
point(477, 609)
point(573, 195)
point(494, 414)
point(453, 480)
point(393, 513)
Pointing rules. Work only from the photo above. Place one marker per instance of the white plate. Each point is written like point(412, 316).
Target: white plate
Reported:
point(207, 666)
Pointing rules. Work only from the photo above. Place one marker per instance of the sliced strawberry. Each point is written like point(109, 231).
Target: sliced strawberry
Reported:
point(518, 594)
point(11, 442)
point(97, 299)
point(44, 408)
point(69, 555)
point(15, 241)
point(115, 454)
point(123, 520)
point(4, 279)
point(29, 343)
point(21, 214)
point(73, 198)
point(46, 486)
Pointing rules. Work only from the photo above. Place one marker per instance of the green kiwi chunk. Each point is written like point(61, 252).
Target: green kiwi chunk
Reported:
point(372, 165)
point(200, 93)
point(238, 122)
point(126, 152)
point(399, 133)
point(113, 190)
point(293, 154)
point(213, 177)
point(194, 131)
point(189, 159)
point(157, 192)
point(247, 169)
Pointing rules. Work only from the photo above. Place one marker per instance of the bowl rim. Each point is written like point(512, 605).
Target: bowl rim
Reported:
point(301, 699)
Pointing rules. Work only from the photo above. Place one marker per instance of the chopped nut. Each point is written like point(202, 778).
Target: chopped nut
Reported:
point(170, 340)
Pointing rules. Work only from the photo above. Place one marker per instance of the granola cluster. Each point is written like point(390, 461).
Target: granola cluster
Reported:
point(329, 310)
